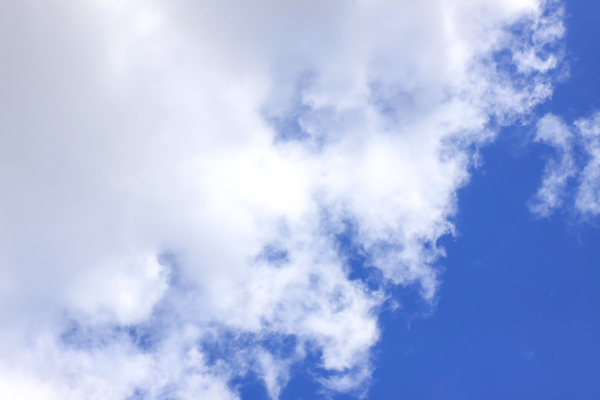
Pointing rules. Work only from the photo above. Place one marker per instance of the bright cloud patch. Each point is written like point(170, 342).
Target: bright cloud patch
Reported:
point(180, 178)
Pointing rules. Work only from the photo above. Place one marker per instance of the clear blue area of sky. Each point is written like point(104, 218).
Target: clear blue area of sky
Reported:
point(518, 315)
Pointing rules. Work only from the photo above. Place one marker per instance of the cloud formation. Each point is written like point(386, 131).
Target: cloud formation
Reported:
point(578, 160)
point(179, 179)
point(552, 131)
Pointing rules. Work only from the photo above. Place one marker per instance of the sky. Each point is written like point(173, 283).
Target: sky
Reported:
point(261, 200)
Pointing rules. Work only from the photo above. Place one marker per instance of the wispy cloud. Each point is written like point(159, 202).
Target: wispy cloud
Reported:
point(551, 130)
point(578, 149)
point(176, 177)
point(588, 193)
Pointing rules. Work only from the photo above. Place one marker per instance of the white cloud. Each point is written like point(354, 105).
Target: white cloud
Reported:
point(235, 141)
point(581, 141)
point(587, 199)
point(123, 290)
point(553, 131)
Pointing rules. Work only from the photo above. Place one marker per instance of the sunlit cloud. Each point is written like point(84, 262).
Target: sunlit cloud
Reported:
point(179, 180)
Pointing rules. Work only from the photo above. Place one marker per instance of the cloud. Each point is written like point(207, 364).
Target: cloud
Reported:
point(578, 149)
point(587, 199)
point(178, 179)
point(552, 131)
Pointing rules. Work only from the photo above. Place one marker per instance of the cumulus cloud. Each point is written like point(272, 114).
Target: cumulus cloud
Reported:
point(178, 178)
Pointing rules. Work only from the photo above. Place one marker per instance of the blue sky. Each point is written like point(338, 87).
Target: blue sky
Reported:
point(299, 200)
point(511, 322)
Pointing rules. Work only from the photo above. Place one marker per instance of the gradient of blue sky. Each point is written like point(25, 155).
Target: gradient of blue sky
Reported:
point(199, 208)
